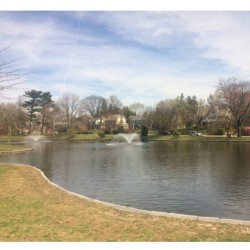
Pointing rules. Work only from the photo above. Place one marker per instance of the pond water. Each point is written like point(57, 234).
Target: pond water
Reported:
point(196, 178)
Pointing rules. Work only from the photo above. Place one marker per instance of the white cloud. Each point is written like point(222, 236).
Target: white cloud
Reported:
point(138, 56)
point(222, 36)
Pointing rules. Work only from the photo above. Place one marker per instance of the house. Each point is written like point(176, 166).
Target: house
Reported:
point(110, 122)
point(136, 122)
point(214, 116)
point(60, 127)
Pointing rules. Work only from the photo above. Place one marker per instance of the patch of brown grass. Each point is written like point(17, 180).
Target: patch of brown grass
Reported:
point(10, 148)
point(33, 210)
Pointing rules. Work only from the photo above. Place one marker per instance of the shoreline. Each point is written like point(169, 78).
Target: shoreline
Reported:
point(32, 208)
point(136, 210)
point(16, 151)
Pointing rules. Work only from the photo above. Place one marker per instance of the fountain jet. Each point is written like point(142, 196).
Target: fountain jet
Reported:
point(127, 137)
point(35, 137)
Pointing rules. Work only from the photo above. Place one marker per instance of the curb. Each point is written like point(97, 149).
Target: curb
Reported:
point(16, 151)
point(141, 211)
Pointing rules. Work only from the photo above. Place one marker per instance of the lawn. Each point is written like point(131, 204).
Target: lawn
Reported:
point(11, 138)
point(150, 137)
point(13, 148)
point(31, 209)
point(203, 138)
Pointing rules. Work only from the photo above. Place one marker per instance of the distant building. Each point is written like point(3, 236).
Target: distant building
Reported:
point(136, 122)
point(214, 116)
point(60, 127)
point(110, 122)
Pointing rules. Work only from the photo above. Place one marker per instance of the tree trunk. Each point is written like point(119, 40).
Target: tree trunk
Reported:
point(30, 125)
point(238, 131)
point(42, 125)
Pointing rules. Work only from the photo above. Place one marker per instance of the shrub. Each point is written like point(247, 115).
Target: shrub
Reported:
point(144, 131)
point(85, 132)
point(220, 131)
point(216, 131)
point(62, 130)
point(176, 134)
point(71, 133)
point(102, 134)
point(115, 132)
point(183, 131)
point(121, 129)
point(245, 131)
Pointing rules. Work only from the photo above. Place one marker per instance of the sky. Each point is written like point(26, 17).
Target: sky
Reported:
point(139, 56)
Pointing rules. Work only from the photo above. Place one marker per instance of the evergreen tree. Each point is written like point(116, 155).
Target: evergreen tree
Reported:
point(32, 104)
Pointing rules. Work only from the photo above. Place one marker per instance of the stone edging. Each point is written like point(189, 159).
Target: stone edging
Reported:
point(16, 151)
point(140, 211)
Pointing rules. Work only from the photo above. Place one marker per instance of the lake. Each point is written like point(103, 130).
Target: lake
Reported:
point(196, 178)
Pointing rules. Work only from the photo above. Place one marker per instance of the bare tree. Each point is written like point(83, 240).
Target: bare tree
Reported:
point(137, 107)
point(234, 95)
point(12, 118)
point(187, 111)
point(94, 105)
point(114, 104)
point(46, 110)
point(6, 115)
point(69, 105)
point(54, 116)
point(9, 75)
point(148, 117)
point(203, 110)
point(165, 116)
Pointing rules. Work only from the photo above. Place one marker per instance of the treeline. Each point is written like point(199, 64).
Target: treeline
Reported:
point(228, 108)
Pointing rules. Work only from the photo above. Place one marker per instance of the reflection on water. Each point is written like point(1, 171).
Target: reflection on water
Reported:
point(207, 179)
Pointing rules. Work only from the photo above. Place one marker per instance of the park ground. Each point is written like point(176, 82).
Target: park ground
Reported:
point(33, 210)
point(150, 137)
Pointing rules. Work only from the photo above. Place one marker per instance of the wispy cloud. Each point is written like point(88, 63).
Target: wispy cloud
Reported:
point(138, 56)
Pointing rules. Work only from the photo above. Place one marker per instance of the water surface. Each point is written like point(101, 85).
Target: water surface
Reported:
point(197, 178)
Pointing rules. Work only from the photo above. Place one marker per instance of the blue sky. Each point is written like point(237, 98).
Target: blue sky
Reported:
point(139, 56)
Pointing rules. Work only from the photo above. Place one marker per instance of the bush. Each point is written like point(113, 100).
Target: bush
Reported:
point(115, 132)
point(85, 132)
point(216, 131)
point(121, 129)
point(62, 130)
point(220, 131)
point(102, 134)
point(144, 131)
point(71, 133)
point(183, 131)
point(176, 134)
point(245, 131)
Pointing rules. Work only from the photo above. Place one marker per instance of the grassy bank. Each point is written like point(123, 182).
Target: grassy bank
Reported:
point(169, 138)
point(13, 148)
point(33, 210)
point(151, 137)
point(197, 138)
point(11, 138)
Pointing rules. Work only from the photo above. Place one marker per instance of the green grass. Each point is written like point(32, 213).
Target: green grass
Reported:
point(150, 137)
point(91, 137)
point(198, 138)
point(12, 138)
point(33, 210)
point(8, 148)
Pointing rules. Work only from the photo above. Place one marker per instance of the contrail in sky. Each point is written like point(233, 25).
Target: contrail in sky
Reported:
point(66, 76)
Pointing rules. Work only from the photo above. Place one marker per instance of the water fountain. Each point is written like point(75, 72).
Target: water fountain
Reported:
point(35, 138)
point(129, 138)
